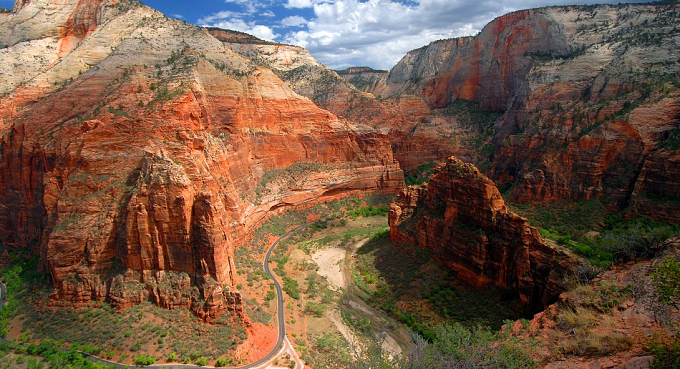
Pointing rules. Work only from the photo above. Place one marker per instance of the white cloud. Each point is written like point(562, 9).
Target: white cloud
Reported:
point(380, 32)
point(293, 21)
point(377, 33)
point(256, 30)
point(234, 21)
point(299, 4)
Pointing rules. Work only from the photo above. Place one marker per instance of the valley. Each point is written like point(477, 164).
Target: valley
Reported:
point(182, 196)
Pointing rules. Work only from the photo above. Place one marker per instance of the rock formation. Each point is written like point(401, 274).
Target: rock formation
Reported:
point(137, 152)
point(588, 103)
point(461, 217)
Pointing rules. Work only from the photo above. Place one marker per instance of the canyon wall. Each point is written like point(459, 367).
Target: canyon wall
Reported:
point(585, 103)
point(462, 219)
point(137, 152)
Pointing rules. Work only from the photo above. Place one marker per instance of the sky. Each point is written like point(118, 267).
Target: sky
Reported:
point(345, 33)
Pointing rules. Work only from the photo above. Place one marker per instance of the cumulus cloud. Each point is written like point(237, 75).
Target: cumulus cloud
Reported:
point(300, 4)
point(234, 21)
point(346, 33)
point(293, 21)
point(377, 33)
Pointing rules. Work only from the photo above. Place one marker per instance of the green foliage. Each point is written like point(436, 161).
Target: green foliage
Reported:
point(316, 309)
point(17, 279)
point(119, 112)
point(369, 211)
point(359, 323)
point(626, 241)
point(201, 361)
point(312, 285)
point(144, 359)
point(563, 218)
point(672, 141)
point(172, 357)
point(420, 175)
point(54, 357)
point(666, 278)
point(456, 346)
point(291, 287)
point(665, 355)
point(223, 361)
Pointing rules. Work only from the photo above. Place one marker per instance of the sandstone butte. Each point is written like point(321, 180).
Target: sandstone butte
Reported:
point(462, 219)
point(134, 151)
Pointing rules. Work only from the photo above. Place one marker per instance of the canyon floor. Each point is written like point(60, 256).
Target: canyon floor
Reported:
point(349, 292)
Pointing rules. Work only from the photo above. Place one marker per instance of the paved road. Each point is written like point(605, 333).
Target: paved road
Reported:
point(279, 301)
point(282, 344)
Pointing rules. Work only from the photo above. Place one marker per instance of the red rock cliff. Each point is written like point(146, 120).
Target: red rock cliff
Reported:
point(139, 157)
point(461, 217)
point(587, 100)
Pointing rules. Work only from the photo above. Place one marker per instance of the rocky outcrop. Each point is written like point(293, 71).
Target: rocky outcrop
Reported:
point(137, 158)
point(462, 219)
point(587, 100)
point(364, 79)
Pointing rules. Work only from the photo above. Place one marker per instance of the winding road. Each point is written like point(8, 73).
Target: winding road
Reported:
point(282, 346)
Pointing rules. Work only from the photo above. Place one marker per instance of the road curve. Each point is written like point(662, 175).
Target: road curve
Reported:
point(279, 299)
point(257, 364)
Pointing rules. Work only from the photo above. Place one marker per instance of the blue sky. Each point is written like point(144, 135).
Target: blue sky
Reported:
point(344, 33)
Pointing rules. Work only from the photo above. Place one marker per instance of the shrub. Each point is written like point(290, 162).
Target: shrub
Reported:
point(666, 278)
point(201, 361)
point(580, 318)
point(144, 359)
point(291, 287)
point(316, 309)
point(665, 356)
point(223, 362)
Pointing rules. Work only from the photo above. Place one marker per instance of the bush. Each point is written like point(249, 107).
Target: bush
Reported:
point(666, 278)
point(144, 359)
point(665, 356)
point(223, 362)
point(316, 309)
point(291, 287)
point(201, 361)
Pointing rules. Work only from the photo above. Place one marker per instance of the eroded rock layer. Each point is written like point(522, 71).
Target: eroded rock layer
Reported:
point(588, 103)
point(461, 217)
point(137, 152)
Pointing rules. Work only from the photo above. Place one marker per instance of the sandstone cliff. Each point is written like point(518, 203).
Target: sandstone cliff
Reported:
point(364, 78)
point(461, 217)
point(588, 103)
point(137, 152)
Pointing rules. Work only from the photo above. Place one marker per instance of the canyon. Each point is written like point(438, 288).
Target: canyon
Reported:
point(138, 152)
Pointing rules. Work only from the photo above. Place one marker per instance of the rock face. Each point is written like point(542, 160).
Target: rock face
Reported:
point(461, 217)
point(137, 152)
point(588, 103)
point(364, 78)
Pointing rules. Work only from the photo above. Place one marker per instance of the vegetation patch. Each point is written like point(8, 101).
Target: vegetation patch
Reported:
point(405, 281)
